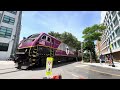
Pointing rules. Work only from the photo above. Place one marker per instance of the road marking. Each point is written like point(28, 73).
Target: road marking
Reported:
point(78, 76)
point(101, 72)
point(75, 75)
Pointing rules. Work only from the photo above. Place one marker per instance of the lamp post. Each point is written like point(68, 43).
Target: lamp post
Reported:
point(111, 54)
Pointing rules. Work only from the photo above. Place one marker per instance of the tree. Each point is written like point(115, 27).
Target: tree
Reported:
point(55, 34)
point(91, 34)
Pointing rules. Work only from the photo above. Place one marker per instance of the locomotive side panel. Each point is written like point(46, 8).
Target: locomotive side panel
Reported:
point(65, 50)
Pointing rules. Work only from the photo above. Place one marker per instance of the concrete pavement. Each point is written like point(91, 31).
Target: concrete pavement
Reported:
point(70, 70)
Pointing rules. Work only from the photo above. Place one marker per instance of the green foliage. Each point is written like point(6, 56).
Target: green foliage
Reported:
point(92, 34)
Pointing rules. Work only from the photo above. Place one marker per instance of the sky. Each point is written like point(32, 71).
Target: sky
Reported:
point(58, 21)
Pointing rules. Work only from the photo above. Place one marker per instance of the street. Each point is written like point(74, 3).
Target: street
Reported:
point(69, 70)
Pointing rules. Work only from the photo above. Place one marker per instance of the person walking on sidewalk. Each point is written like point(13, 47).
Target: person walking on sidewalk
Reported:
point(102, 58)
point(109, 59)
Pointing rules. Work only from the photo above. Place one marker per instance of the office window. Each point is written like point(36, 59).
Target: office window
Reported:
point(8, 19)
point(111, 38)
point(115, 45)
point(110, 18)
point(117, 31)
point(113, 13)
point(115, 21)
point(0, 16)
point(5, 32)
point(113, 35)
point(118, 42)
point(4, 46)
point(111, 27)
point(119, 13)
point(13, 12)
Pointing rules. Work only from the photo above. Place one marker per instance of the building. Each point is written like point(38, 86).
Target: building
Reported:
point(111, 19)
point(97, 48)
point(10, 26)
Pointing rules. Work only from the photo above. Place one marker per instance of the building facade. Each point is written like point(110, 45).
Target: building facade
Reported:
point(111, 20)
point(10, 27)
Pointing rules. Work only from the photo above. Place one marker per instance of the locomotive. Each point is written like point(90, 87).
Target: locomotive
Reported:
point(33, 51)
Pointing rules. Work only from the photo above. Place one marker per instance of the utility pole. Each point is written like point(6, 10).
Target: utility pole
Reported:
point(82, 50)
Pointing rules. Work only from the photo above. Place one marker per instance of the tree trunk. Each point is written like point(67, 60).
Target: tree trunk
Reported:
point(94, 56)
point(90, 56)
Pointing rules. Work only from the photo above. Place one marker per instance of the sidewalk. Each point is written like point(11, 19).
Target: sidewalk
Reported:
point(3, 62)
point(117, 65)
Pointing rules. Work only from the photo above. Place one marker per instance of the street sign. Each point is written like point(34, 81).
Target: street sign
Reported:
point(49, 63)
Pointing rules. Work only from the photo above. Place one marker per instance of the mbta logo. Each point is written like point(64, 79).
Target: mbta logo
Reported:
point(67, 50)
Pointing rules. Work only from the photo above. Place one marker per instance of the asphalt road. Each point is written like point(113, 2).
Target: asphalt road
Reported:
point(71, 70)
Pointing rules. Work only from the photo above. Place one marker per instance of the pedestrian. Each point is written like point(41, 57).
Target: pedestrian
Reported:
point(106, 59)
point(100, 58)
point(109, 60)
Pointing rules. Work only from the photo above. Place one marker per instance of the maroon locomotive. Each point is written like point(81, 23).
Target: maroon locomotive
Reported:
point(34, 50)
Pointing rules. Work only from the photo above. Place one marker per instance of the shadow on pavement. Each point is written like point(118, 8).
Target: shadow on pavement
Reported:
point(54, 66)
point(9, 72)
point(7, 68)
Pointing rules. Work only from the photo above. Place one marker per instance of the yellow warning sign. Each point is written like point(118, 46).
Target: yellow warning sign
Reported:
point(49, 63)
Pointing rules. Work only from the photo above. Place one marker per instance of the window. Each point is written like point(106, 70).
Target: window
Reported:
point(113, 13)
point(119, 13)
point(48, 39)
point(111, 38)
point(115, 45)
point(44, 37)
point(4, 46)
point(117, 31)
point(13, 12)
point(111, 26)
point(113, 35)
point(118, 42)
point(34, 35)
point(7, 19)
point(0, 16)
point(110, 17)
point(108, 22)
point(115, 21)
point(5, 32)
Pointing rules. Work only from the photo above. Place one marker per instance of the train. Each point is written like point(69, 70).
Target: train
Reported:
point(33, 51)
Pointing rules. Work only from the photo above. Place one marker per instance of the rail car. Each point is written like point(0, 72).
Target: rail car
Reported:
point(33, 51)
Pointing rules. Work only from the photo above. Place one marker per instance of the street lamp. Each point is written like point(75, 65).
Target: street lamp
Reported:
point(111, 54)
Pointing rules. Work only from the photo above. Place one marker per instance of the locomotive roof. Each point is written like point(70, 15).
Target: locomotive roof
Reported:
point(51, 36)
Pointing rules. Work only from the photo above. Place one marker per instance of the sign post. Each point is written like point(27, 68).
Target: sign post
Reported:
point(49, 63)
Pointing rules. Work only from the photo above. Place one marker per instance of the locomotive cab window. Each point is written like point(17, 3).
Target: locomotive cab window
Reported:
point(44, 37)
point(48, 39)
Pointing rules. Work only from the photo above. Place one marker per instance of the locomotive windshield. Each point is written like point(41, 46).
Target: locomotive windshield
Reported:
point(34, 36)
